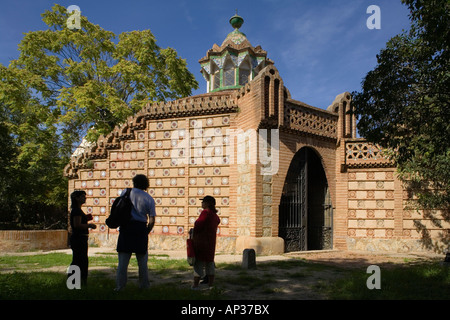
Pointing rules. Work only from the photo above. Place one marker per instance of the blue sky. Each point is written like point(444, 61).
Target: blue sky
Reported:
point(321, 48)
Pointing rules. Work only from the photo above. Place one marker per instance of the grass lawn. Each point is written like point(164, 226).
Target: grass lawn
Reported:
point(29, 282)
point(427, 281)
point(42, 276)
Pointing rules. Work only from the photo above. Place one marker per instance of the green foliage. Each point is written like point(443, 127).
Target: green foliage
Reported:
point(32, 183)
point(93, 83)
point(404, 104)
point(67, 84)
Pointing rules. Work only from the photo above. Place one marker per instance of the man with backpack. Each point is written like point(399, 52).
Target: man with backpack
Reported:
point(133, 236)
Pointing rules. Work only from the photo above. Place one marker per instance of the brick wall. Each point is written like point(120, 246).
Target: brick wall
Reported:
point(377, 217)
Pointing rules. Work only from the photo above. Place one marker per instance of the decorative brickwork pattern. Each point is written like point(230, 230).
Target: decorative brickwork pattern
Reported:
point(309, 120)
point(184, 160)
point(360, 153)
point(371, 204)
point(192, 106)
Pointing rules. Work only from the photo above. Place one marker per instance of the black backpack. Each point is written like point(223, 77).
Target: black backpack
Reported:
point(120, 211)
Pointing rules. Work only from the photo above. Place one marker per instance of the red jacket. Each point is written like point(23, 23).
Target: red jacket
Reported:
point(205, 230)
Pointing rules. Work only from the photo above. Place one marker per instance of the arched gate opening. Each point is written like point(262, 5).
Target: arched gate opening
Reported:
point(305, 210)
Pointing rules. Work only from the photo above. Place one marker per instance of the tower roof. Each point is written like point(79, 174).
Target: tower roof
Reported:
point(235, 41)
point(236, 37)
point(235, 62)
point(236, 21)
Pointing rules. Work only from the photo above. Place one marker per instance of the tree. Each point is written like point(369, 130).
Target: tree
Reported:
point(30, 177)
point(92, 83)
point(404, 105)
point(68, 84)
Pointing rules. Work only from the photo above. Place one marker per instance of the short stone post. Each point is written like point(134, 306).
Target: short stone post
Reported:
point(447, 258)
point(249, 259)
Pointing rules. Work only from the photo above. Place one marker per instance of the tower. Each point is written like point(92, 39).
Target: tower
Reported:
point(235, 62)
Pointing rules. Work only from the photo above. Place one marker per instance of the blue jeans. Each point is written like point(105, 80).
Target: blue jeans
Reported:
point(122, 270)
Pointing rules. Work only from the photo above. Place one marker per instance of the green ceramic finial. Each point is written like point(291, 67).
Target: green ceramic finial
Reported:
point(236, 21)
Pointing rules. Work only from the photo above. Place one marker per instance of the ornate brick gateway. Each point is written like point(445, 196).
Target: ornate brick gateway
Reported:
point(286, 176)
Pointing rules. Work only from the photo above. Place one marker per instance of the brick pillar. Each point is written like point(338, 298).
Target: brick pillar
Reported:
point(340, 209)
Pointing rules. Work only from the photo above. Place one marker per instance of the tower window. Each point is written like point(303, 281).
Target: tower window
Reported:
point(244, 75)
point(228, 75)
point(216, 80)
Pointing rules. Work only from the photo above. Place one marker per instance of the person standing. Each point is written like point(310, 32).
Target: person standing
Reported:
point(204, 239)
point(80, 233)
point(133, 238)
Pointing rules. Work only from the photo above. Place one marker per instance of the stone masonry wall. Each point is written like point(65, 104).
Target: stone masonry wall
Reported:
point(30, 240)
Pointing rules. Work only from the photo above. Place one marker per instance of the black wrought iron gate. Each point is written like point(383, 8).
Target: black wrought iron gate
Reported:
point(293, 207)
point(305, 211)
